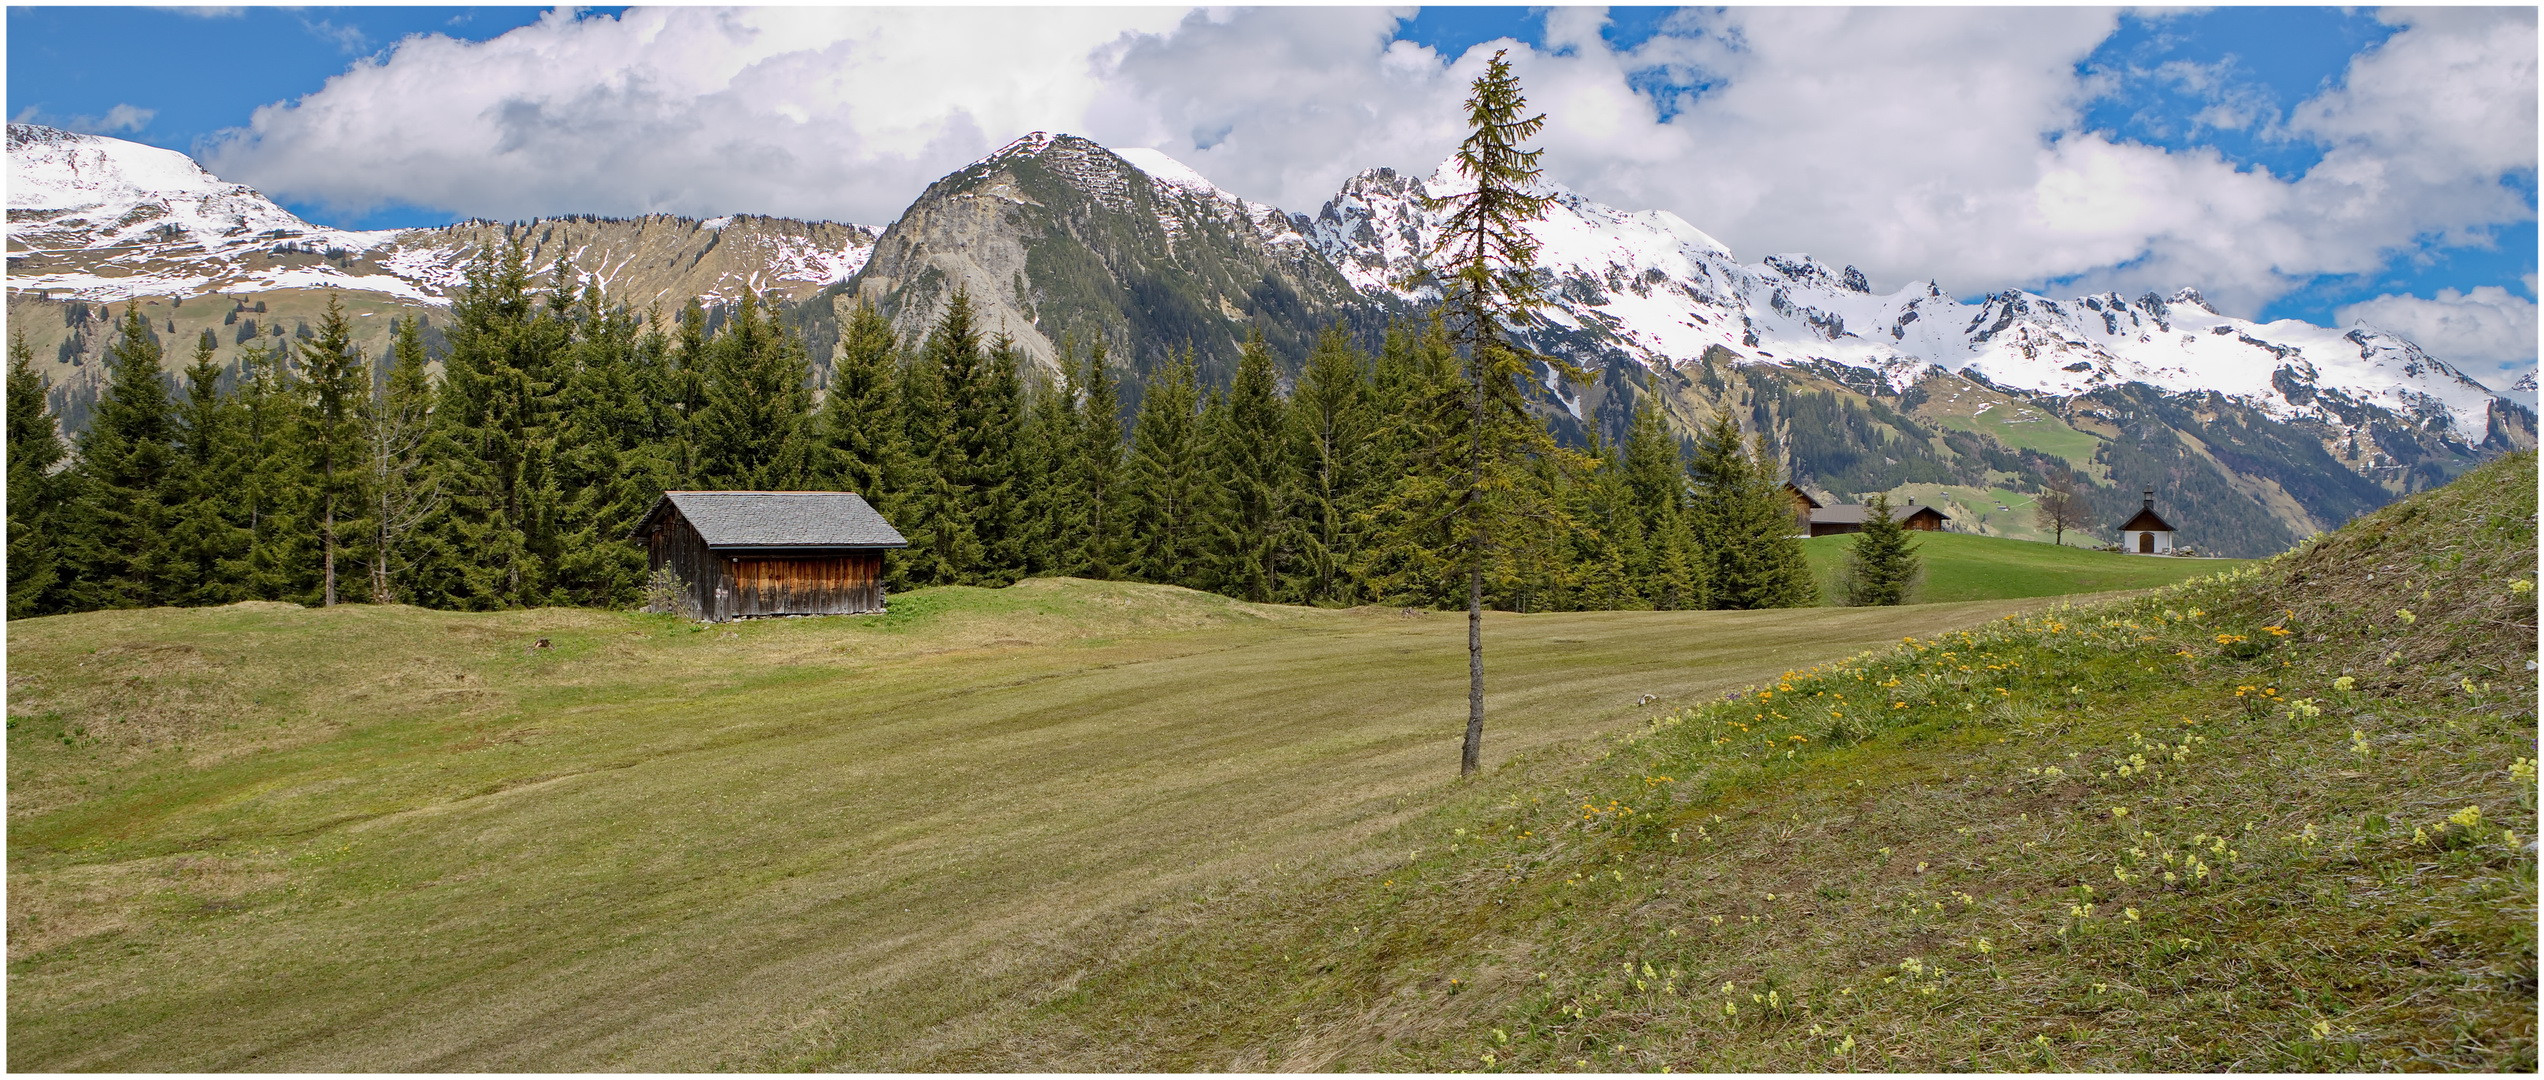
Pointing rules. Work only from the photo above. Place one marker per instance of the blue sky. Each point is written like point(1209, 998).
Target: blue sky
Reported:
point(2228, 82)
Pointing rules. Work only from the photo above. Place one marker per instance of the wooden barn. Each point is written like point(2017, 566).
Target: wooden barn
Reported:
point(744, 554)
point(1813, 518)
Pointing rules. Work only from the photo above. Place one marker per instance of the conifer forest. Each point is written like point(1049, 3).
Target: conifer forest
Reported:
point(506, 468)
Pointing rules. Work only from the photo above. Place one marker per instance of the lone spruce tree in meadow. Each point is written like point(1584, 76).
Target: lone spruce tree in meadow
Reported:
point(1882, 566)
point(1485, 257)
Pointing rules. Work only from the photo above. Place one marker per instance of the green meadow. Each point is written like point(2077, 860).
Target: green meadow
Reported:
point(2279, 819)
point(262, 837)
point(1963, 566)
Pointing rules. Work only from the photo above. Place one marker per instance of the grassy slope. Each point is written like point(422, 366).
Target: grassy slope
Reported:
point(2096, 838)
point(1960, 566)
point(261, 837)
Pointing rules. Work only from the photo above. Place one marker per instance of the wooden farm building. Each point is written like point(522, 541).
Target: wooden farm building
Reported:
point(1812, 518)
point(2147, 533)
point(742, 554)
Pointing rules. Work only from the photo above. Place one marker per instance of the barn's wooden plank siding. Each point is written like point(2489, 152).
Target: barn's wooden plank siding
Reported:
point(674, 543)
point(850, 583)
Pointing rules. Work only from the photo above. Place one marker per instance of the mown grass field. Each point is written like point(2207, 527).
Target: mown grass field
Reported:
point(1963, 566)
point(267, 838)
point(2279, 820)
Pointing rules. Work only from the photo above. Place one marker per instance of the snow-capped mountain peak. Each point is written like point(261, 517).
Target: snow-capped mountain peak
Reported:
point(99, 218)
point(114, 190)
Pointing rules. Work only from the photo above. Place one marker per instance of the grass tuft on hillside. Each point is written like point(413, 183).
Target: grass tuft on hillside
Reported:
point(1964, 566)
point(2282, 819)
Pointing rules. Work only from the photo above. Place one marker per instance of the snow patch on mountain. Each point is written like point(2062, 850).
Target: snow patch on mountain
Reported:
point(1654, 288)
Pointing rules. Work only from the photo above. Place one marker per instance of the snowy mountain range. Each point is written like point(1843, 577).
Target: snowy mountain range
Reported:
point(1057, 236)
point(101, 219)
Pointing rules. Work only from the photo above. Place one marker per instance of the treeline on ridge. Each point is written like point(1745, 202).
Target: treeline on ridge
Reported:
point(309, 474)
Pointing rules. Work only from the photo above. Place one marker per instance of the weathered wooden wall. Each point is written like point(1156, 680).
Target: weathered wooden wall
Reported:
point(843, 584)
point(676, 544)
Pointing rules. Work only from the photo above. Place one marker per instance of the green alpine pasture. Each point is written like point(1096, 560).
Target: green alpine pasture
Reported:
point(1961, 566)
point(2278, 820)
point(2281, 818)
point(273, 838)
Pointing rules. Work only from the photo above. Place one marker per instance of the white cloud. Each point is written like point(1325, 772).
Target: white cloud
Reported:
point(121, 119)
point(1911, 142)
point(2489, 327)
point(811, 112)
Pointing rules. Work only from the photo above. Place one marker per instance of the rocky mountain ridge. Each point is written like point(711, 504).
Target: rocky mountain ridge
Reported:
point(98, 219)
point(2273, 430)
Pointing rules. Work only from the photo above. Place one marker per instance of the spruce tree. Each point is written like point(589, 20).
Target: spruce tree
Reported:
point(492, 437)
point(1052, 522)
point(989, 410)
point(1330, 452)
point(1671, 573)
point(1406, 556)
point(685, 391)
point(279, 560)
point(35, 493)
point(860, 426)
point(605, 467)
point(1606, 534)
point(335, 447)
point(205, 537)
point(1166, 485)
point(1253, 480)
point(1103, 550)
point(128, 475)
point(1489, 257)
point(1746, 524)
point(753, 430)
point(403, 491)
point(943, 512)
point(1881, 566)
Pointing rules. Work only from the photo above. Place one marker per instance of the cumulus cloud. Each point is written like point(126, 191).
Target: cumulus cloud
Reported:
point(810, 112)
point(1910, 142)
point(2488, 328)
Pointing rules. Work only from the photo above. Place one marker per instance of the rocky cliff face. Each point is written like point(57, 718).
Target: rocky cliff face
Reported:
point(1055, 237)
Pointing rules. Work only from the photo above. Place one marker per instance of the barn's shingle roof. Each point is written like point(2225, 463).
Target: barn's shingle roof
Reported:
point(1856, 513)
point(779, 519)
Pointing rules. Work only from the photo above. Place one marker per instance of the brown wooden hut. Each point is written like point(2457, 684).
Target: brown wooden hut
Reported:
point(742, 554)
point(1832, 520)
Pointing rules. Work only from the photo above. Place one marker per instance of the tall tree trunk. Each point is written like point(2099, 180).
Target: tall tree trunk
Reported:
point(1471, 758)
point(330, 530)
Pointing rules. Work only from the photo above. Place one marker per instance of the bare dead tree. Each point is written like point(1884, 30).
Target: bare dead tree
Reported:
point(2062, 504)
